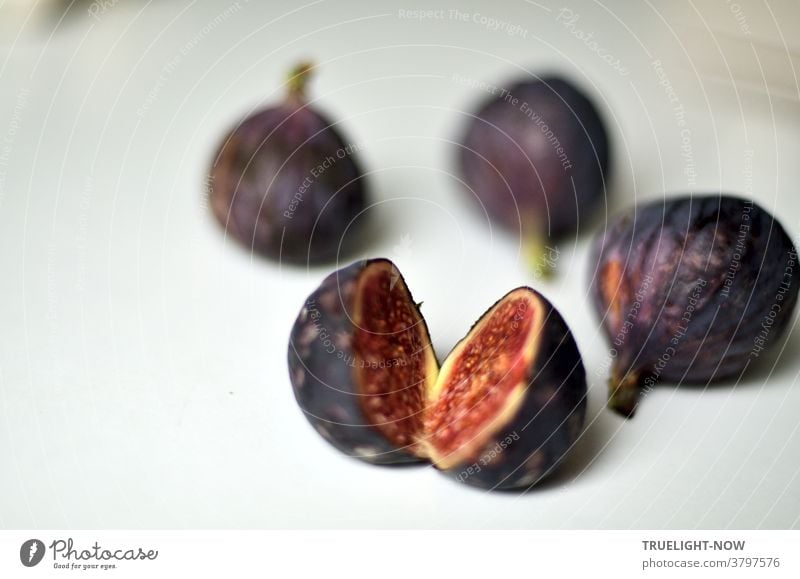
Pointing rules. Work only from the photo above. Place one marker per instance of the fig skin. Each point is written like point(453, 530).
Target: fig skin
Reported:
point(523, 175)
point(684, 286)
point(321, 370)
point(530, 398)
point(533, 441)
point(285, 183)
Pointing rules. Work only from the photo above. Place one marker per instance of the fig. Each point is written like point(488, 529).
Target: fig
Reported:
point(360, 362)
point(285, 183)
point(536, 158)
point(502, 412)
point(690, 290)
point(510, 399)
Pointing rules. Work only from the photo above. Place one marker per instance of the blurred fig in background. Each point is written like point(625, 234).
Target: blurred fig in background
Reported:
point(286, 184)
point(691, 290)
point(536, 158)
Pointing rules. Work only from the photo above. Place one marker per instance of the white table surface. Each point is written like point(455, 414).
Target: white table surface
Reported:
point(143, 376)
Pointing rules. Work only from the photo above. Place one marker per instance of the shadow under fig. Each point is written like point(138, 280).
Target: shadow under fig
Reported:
point(587, 449)
point(602, 425)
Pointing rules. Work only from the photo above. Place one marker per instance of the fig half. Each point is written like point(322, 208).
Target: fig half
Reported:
point(510, 399)
point(691, 290)
point(503, 411)
point(360, 362)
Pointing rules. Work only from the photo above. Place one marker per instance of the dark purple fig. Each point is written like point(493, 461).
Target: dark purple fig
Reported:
point(285, 183)
point(360, 362)
point(510, 399)
point(506, 407)
point(536, 157)
point(690, 290)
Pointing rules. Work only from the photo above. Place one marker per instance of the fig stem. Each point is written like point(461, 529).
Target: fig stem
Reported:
point(623, 393)
point(297, 79)
point(539, 257)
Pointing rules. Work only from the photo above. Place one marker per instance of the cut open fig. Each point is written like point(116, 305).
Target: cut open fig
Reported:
point(510, 399)
point(360, 362)
point(502, 412)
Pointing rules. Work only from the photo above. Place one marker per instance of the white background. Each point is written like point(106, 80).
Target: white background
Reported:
point(143, 377)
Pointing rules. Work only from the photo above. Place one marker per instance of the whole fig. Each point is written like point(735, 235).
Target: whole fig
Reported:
point(536, 157)
point(503, 411)
point(690, 289)
point(285, 183)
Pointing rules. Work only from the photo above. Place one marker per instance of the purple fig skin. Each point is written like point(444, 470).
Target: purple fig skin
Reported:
point(285, 184)
point(523, 151)
point(535, 440)
point(690, 290)
point(322, 366)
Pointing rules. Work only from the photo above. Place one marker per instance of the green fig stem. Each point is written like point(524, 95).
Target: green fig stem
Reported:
point(623, 393)
point(539, 257)
point(297, 79)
